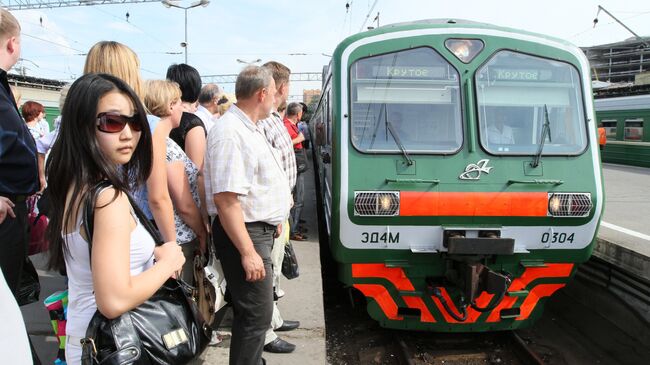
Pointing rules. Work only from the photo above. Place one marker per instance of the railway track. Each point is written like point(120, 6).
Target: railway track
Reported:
point(504, 348)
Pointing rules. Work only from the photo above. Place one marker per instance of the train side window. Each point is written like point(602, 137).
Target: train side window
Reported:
point(407, 99)
point(610, 128)
point(633, 130)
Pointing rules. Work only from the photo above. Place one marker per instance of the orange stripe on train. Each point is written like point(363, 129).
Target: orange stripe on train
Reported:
point(395, 275)
point(382, 297)
point(472, 204)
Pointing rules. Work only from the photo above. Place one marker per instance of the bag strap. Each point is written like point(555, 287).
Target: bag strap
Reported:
point(89, 214)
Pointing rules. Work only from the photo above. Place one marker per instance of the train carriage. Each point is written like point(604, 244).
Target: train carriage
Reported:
point(458, 169)
point(623, 118)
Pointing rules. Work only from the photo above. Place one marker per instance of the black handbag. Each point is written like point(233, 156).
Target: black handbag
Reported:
point(290, 262)
point(29, 288)
point(166, 329)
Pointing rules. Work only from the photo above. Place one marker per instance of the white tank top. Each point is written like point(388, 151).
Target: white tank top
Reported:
point(81, 296)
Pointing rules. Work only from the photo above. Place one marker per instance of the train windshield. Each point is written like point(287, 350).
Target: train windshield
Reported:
point(518, 94)
point(407, 100)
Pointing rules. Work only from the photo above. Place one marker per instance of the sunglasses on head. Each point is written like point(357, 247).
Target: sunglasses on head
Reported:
point(111, 122)
point(223, 100)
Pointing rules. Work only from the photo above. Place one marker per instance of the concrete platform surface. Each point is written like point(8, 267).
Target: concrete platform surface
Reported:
point(624, 235)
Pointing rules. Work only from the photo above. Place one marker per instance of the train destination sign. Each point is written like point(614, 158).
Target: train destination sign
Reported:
point(407, 72)
point(515, 74)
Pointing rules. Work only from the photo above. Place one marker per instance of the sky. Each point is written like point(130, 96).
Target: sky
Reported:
point(300, 33)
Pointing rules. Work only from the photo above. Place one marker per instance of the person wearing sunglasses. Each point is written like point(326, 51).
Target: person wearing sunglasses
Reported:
point(104, 136)
point(163, 99)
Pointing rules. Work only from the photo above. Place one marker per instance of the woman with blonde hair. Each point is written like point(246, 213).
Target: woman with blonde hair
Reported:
point(116, 59)
point(163, 99)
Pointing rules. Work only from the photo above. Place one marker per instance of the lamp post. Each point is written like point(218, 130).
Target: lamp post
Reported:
point(249, 62)
point(171, 4)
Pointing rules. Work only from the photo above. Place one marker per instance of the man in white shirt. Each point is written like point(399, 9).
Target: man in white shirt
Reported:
point(248, 195)
point(499, 133)
point(209, 99)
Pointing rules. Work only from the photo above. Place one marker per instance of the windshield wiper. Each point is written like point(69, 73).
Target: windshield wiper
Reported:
point(546, 131)
point(393, 133)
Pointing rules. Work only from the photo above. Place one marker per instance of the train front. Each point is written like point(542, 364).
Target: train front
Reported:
point(465, 179)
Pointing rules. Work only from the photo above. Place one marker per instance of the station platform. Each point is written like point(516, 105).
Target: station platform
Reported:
point(624, 235)
point(303, 301)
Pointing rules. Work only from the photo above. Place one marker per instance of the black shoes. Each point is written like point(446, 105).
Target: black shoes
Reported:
point(279, 346)
point(288, 326)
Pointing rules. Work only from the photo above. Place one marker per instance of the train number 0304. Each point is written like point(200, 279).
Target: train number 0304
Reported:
point(556, 237)
point(376, 237)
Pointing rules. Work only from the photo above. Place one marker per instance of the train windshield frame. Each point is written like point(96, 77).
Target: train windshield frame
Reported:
point(408, 99)
point(522, 97)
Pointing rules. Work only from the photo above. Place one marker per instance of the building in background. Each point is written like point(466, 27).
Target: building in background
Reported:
point(310, 96)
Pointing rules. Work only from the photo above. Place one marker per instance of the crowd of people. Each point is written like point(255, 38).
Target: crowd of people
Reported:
point(207, 168)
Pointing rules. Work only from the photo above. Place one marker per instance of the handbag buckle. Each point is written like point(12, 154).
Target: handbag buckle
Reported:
point(175, 338)
point(89, 341)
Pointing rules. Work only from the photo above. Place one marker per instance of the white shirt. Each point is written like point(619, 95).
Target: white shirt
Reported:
point(14, 346)
point(207, 117)
point(500, 137)
point(240, 160)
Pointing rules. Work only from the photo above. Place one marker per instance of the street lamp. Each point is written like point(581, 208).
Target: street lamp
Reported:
point(171, 4)
point(249, 62)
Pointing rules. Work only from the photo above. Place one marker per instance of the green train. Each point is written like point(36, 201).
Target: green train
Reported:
point(623, 118)
point(459, 173)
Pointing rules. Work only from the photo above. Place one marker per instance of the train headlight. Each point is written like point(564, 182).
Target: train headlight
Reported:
point(376, 203)
point(569, 204)
point(464, 49)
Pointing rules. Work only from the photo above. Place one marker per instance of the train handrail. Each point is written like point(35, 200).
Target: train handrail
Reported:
point(413, 181)
point(537, 182)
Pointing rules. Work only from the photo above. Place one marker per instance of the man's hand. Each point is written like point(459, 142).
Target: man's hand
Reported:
point(278, 231)
point(6, 208)
point(253, 266)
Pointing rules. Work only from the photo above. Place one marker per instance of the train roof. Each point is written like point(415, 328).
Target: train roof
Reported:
point(623, 103)
point(443, 23)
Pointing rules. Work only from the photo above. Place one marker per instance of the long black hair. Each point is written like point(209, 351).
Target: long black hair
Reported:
point(76, 161)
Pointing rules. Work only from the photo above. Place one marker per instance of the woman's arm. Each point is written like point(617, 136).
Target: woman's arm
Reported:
point(159, 201)
point(195, 146)
point(41, 171)
point(116, 291)
point(181, 194)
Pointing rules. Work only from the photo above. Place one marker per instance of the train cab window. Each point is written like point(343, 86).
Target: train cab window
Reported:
point(610, 128)
point(405, 100)
point(633, 130)
point(522, 97)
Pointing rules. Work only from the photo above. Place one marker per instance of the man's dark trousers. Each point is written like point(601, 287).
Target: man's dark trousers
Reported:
point(13, 244)
point(252, 301)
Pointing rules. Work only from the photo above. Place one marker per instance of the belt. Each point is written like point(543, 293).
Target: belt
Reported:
point(248, 224)
point(16, 198)
point(260, 225)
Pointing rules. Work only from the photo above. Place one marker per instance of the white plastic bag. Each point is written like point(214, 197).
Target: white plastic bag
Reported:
point(214, 273)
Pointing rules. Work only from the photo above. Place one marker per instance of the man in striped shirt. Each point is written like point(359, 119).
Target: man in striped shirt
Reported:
point(278, 137)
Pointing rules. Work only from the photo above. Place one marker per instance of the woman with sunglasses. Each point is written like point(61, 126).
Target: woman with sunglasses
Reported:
point(163, 99)
point(104, 135)
point(117, 59)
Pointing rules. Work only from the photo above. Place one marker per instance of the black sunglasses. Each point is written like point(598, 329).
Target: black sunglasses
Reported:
point(223, 100)
point(111, 122)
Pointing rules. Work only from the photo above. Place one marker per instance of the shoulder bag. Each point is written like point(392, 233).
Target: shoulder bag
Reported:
point(166, 329)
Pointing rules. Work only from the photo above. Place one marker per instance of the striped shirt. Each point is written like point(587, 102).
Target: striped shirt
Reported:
point(278, 137)
point(240, 160)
